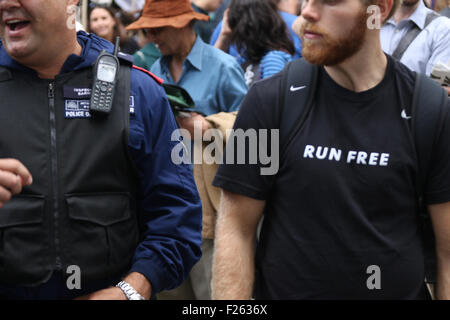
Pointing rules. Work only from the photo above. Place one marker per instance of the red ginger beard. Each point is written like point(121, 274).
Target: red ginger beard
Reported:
point(328, 51)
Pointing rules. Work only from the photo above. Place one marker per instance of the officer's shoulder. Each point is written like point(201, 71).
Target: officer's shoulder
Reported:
point(127, 59)
point(143, 73)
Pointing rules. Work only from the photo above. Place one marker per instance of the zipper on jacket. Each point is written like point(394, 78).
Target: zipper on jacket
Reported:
point(54, 171)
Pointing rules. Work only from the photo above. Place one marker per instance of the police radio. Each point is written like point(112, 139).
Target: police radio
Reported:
point(105, 76)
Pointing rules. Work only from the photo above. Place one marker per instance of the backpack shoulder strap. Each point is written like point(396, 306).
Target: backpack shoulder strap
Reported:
point(298, 84)
point(411, 35)
point(428, 107)
point(428, 113)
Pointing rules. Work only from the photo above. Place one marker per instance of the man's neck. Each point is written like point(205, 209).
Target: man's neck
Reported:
point(362, 71)
point(185, 47)
point(176, 61)
point(404, 12)
point(52, 66)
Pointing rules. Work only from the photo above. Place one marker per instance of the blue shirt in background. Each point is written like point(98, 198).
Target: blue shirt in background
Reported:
point(432, 45)
point(273, 62)
point(213, 78)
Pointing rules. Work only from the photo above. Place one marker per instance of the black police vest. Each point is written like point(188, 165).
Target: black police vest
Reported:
point(81, 208)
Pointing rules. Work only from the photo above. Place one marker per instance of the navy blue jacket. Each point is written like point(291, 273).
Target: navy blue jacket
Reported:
point(170, 207)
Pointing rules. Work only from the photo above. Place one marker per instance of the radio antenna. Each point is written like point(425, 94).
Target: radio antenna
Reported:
point(116, 46)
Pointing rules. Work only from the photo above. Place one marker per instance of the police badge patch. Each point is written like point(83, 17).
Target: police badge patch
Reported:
point(77, 109)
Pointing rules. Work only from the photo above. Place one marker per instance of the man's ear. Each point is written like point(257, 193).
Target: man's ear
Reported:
point(386, 8)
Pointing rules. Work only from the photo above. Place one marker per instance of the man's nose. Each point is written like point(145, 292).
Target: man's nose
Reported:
point(9, 4)
point(311, 10)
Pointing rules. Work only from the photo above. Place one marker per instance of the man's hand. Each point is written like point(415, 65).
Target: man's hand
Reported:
point(112, 293)
point(195, 119)
point(13, 176)
point(296, 26)
point(224, 40)
point(137, 280)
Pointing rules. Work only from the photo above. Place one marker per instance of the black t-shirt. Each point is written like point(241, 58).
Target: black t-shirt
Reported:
point(343, 201)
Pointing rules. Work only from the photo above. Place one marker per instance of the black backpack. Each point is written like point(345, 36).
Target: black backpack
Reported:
point(298, 86)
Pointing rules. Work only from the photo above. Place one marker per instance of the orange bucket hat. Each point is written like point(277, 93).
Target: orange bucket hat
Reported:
point(164, 13)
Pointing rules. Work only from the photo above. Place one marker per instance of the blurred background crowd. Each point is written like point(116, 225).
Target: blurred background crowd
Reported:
point(109, 19)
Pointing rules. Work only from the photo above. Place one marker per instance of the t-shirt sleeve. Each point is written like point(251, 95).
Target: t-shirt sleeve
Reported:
point(438, 186)
point(251, 157)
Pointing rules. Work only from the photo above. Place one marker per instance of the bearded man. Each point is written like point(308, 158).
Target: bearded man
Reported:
point(340, 215)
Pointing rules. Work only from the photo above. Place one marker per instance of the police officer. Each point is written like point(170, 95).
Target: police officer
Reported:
point(91, 206)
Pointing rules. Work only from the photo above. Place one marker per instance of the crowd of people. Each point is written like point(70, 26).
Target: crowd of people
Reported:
point(358, 206)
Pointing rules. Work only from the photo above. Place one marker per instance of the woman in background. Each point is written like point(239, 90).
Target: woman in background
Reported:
point(103, 23)
point(260, 35)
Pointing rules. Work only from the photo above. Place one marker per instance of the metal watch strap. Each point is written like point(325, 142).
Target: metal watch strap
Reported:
point(129, 291)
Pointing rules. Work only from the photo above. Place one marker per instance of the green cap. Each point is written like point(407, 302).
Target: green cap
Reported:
point(179, 98)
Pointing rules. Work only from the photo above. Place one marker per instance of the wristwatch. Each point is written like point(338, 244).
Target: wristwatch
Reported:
point(129, 291)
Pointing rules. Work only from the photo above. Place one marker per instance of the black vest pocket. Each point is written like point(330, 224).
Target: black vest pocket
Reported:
point(102, 234)
point(23, 241)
